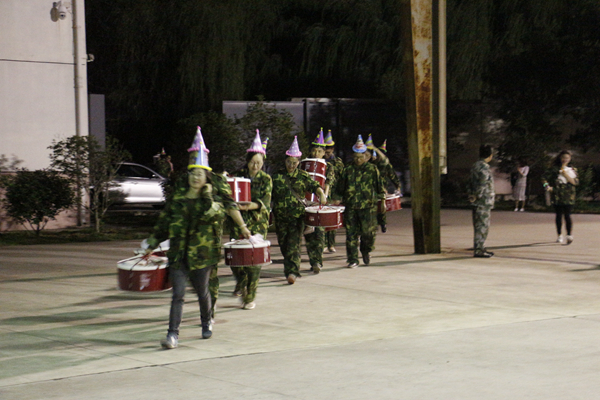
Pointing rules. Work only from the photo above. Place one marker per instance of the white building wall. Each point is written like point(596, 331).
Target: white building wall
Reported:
point(37, 95)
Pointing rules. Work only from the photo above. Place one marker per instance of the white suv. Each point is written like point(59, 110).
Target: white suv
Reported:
point(137, 184)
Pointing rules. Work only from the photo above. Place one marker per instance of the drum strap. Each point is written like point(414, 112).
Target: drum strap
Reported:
point(289, 184)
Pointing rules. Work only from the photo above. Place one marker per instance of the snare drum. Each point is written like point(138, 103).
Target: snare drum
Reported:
point(138, 275)
point(314, 165)
point(341, 208)
point(392, 203)
point(242, 253)
point(327, 217)
point(240, 188)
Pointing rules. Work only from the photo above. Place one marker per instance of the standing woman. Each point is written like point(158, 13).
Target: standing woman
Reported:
point(521, 185)
point(289, 186)
point(560, 180)
point(256, 216)
point(188, 221)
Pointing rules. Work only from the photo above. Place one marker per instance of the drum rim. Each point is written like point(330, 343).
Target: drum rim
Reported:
point(320, 210)
point(230, 245)
point(314, 159)
point(235, 178)
point(127, 266)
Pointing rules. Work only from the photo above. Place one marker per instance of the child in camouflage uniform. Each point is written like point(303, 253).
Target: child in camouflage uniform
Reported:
point(256, 216)
point(315, 240)
point(481, 196)
point(360, 188)
point(289, 186)
point(561, 181)
point(337, 165)
point(386, 171)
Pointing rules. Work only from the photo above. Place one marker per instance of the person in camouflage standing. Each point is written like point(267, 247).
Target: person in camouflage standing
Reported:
point(256, 215)
point(387, 172)
point(561, 181)
point(481, 196)
point(221, 193)
point(360, 188)
point(289, 186)
point(188, 221)
point(315, 240)
point(337, 165)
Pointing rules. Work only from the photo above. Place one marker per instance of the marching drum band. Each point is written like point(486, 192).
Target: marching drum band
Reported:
point(310, 197)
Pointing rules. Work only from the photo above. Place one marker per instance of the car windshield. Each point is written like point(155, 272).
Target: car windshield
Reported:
point(134, 171)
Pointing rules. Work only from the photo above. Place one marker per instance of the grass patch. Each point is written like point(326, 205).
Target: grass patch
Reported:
point(119, 225)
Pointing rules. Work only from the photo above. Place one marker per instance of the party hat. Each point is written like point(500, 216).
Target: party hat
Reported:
point(369, 142)
point(329, 140)
point(319, 141)
point(294, 150)
point(359, 146)
point(264, 144)
point(256, 145)
point(198, 142)
point(383, 146)
point(198, 153)
point(163, 153)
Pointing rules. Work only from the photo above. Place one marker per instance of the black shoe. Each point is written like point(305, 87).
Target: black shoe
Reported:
point(383, 228)
point(485, 254)
point(206, 332)
point(366, 258)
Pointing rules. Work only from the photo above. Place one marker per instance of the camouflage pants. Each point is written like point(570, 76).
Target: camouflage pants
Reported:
point(246, 279)
point(360, 225)
point(213, 287)
point(330, 239)
point(481, 226)
point(381, 219)
point(289, 237)
point(314, 246)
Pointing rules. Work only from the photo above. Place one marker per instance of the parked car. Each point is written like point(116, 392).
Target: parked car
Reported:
point(137, 184)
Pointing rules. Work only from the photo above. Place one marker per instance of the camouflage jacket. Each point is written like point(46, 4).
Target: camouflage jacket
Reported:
point(563, 192)
point(481, 185)
point(223, 195)
point(260, 192)
point(286, 205)
point(359, 187)
point(337, 165)
point(192, 226)
point(386, 170)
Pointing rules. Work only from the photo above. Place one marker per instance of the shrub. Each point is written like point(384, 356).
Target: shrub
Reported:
point(36, 197)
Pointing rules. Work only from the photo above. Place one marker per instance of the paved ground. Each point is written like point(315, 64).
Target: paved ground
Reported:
point(522, 325)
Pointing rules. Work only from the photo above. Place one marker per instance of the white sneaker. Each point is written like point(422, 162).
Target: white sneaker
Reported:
point(516, 209)
point(560, 239)
point(249, 306)
point(522, 209)
point(569, 239)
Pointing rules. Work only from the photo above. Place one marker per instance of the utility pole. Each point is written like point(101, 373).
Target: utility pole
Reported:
point(423, 41)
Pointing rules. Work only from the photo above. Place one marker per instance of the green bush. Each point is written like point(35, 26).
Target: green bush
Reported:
point(36, 197)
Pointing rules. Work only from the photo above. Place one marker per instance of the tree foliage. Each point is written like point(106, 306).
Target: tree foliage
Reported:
point(33, 198)
point(90, 169)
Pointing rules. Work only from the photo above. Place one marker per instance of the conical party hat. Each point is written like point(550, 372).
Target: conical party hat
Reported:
point(198, 153)
point(198, 142)
point(319, 141)
point(369, 142)
point(383, 146)
point(359, 146)
point(329, 139)
point(163, 153)
point(264, 144)
point(294, 150)
point(256, 145)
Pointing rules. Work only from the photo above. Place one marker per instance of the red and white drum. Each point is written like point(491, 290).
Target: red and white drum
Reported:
point(392, 203)
point(341, 208)
point(311, 196)
point(243, 253)
point(240, 188)
point(327, 217)
point(314, 165)
point(137, 274)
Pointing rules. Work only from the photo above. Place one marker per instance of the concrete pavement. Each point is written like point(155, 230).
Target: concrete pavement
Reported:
point(524, 324)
